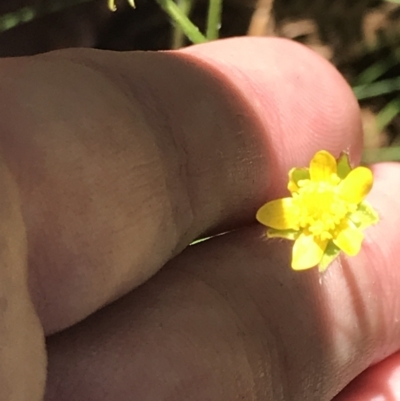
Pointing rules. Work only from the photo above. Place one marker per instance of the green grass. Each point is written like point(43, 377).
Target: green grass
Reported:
point(178, 12)
point(27, 14)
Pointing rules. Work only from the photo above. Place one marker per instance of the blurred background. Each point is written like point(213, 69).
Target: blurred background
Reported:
point(361, 37)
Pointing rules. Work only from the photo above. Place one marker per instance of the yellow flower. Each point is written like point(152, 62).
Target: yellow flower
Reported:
point(113, 7)
point(326, 212)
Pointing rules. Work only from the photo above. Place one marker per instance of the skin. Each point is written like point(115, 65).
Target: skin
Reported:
point(114, 162)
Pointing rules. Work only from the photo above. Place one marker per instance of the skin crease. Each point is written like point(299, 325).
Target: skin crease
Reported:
point(141, 154)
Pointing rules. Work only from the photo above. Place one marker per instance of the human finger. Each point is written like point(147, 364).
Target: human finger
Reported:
point(122, 159)
point(229, 319)
point(22, 353)
point(378, 383)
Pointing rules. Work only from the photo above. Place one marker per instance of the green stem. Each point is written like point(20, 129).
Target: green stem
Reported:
point(377, 69)
point(178, 17)
point(388, 113)
point(214, 19)
point(27, 14)
point(377, 88)
point(178, 34)
point(391, 154)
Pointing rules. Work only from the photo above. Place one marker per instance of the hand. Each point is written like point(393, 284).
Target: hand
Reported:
point(113, 163)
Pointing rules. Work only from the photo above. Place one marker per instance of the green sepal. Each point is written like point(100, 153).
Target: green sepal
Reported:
point(296, 175)
point(343, 165)
point(287, 234)
point(331, 253)
point(364, 216)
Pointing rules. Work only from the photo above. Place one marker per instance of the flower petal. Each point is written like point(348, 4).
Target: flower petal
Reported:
point(322, 166)
point(307, 252)
point(280, 214)
point(355, 187)
point(349, 239)
point(343, 165)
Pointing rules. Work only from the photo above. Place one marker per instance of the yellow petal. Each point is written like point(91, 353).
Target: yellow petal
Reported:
point(307, 252)
point(322, 166)
point(280, 214)
point(355, 187)
point(349, 239)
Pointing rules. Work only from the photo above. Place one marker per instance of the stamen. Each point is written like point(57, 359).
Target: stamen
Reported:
point(321, 210)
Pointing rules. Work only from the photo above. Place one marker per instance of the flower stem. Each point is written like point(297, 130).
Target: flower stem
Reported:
point(390, 154)
point(179, 18)
point(178, 34)
point(378, 88)
point(214, 19)
point(388, 113)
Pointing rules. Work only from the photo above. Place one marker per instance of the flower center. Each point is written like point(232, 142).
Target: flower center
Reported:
point(321, 209)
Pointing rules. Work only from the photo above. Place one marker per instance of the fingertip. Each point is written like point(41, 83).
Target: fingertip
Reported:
point(365, 288)
point(385, 198)
point(378, 383)
point(303, 103)
point(197, 141)
point(381, 241)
